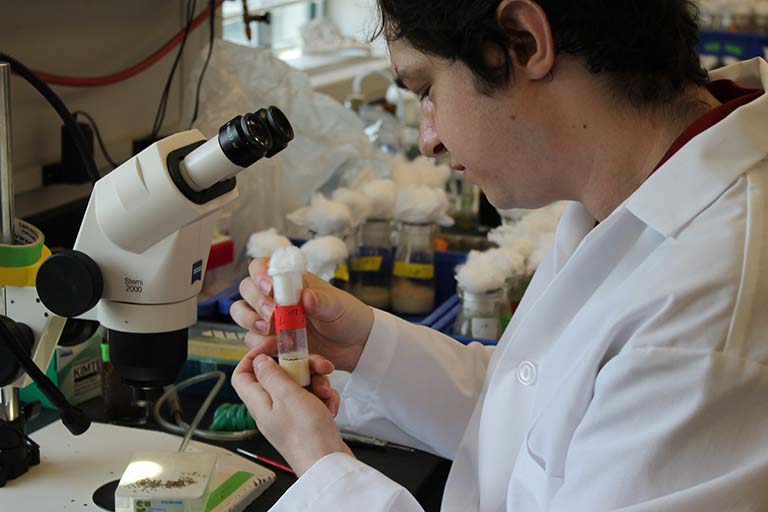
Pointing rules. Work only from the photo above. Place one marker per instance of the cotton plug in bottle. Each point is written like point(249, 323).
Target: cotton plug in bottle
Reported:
point(286, 268)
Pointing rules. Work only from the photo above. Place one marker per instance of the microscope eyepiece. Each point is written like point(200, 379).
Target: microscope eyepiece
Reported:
point(241, 142)
point(257, 132)
point(280, 127)
point(245, 139)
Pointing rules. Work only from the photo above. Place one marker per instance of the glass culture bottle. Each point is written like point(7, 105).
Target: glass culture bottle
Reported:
point(413, 275)
point(480, 315)
point(371, 264)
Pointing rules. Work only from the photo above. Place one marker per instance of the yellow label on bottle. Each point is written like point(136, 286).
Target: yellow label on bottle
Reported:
point(367, 264)
point(342, 272)
point(423, 271)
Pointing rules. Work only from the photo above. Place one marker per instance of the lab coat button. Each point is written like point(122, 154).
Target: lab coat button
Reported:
point(526, 373)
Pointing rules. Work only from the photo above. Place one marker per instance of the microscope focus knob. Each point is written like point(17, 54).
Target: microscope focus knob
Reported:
point(69, 283)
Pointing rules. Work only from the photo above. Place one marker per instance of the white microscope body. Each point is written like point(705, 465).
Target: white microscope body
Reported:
point(139, 260)
point(150, 242)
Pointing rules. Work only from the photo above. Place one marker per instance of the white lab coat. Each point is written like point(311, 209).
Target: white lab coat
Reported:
point(633, 376)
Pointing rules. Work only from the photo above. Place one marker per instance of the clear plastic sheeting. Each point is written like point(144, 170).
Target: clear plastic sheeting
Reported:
point(329, 148)
point(322, 35)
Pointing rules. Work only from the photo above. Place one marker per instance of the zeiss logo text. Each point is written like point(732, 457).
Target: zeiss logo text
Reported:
point(197, 271)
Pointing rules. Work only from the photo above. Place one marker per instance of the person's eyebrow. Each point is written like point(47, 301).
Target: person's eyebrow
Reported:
point(399, 76)
point(403, 74)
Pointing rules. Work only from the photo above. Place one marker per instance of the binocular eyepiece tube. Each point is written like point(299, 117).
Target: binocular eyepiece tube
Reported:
point(240, 143)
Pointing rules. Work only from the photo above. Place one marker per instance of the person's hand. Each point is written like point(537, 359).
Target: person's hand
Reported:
point(319, 369)
point(338, 324)
point(292, 419)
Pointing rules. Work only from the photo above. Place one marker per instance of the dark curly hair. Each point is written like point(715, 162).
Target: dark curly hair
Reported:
point(646, 48)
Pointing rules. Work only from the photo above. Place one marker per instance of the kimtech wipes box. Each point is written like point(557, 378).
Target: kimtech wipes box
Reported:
point(76, 365)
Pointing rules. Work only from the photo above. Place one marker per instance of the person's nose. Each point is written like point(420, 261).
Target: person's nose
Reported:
point(429, 141)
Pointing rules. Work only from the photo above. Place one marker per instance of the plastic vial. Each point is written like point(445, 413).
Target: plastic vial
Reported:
point(413, 275)
point(371, 264)
point(290, 318)
point(480, 314)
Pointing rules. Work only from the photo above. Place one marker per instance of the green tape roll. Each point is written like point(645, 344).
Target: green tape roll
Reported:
point(27, 247)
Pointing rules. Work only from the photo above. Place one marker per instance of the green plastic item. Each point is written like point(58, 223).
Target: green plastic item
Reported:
point(27, 248)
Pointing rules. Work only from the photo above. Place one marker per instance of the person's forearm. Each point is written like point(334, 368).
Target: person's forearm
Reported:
point(424, 382)
point(340, 483)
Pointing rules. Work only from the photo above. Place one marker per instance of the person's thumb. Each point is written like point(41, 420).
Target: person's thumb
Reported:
point(271, 377)
point(322, 301)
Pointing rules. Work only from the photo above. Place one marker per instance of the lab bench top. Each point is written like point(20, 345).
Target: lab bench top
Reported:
point(423, 474)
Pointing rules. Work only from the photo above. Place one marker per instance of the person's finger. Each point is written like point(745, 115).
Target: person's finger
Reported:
point(259, 328)
point(264, 344)
point(244, 315)
point(247, 386)
point(320, 386)
point(333, 403)
point(319, 364)
point(257, 270)
point(253, 395)
point(272, 378)
point(245, 366)
point(321, 300)
point(261, 303)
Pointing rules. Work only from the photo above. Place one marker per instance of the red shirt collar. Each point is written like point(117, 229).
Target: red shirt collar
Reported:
point(730, 95)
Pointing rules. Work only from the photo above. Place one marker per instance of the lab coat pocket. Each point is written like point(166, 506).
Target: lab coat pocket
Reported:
point(547, 442)
point(545, 446)
point(534, 486)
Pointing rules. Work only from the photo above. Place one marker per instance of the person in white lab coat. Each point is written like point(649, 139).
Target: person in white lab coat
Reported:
point(634, 375)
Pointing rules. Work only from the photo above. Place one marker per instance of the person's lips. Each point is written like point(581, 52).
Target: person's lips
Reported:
point(458, 167)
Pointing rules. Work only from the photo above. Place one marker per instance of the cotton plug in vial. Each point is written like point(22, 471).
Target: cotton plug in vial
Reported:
point(286, 268)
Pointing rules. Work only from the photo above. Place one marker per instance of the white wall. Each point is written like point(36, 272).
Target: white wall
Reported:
point(91, 38)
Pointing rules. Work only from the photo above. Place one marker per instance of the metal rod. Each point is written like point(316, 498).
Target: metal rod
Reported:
point(11, 402)
point(9, 396)
point(7, 210)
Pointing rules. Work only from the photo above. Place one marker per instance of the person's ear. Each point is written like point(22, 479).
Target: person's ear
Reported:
point(532, 48)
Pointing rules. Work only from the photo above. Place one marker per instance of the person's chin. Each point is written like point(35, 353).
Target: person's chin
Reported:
point(468, 177)
point(501, 203)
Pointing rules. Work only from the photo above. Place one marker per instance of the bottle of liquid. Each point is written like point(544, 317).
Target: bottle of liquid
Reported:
point(286, 268)
point(413, 275)
point(480, 314)
point(371, 264)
